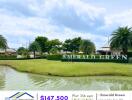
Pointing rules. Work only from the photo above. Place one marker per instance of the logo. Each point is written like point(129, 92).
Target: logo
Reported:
point(20, 96)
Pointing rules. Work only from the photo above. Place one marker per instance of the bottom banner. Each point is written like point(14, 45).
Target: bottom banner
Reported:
point(65, 95)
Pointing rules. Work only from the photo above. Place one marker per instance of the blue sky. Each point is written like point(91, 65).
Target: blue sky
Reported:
point(22, 20)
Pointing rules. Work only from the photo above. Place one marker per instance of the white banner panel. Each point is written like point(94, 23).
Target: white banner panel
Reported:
point(65, 95)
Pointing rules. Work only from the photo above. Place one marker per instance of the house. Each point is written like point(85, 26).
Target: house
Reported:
point(21, 96)
point(107, 51)
point(9, 51)
point(104, 51)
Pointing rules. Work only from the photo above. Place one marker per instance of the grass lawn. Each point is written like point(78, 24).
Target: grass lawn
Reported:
point(46, 67)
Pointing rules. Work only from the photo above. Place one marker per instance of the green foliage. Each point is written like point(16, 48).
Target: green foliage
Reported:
point(7, 57)
point(121, 39)
point(75, 44)
point(23, 51)
point(67, 45)
point(96, 60)
point(34, 47)
point(54, 57)
point(54, 50)
point(53, 44)
point(130, 60)
point(87, 47)
point(72, 45)
point(42, 41)
point(3, 42)
point(129, 54)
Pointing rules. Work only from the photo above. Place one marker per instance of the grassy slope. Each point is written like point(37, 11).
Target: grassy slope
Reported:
point(69, 68)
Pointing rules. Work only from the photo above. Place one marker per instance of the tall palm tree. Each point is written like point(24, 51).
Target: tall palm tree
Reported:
point(121, 39)
point(3, 42)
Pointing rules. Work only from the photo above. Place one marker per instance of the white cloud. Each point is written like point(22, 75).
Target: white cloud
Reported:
point(83, 8)
point(123, 18)
point(20, 29)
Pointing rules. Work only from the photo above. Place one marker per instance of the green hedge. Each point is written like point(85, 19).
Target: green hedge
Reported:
point(7, 57)
point(129, 54)
point(130, 60)
point(54, 57)
point(94, 60)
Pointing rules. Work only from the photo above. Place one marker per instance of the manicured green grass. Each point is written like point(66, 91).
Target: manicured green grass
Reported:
point(59, 68)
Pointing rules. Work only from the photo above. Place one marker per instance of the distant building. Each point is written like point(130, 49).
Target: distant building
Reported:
point(9, 51)
point(106, 50)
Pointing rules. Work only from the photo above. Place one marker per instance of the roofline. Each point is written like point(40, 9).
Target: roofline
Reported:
point(24, 94)
point(14, 95)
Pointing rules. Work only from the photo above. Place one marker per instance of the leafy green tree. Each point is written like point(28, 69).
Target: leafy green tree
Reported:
point(54, 50)
point(22, 51)
point(67, 45)
point(87, 47)
point(72, 45)
point(3, 42)
point(34, 47)
point(122, 39)
point(54, 44)
point(42, 42)
point(75, 44)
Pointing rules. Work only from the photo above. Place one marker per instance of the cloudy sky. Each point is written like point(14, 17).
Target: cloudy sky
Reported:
point(22, 20)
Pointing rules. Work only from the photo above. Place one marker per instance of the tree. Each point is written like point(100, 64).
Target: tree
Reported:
point(121, 39)
point(75, 44)
point(67, 45)
point(22, 51)
point(42, 41)
point(87, 47)
point(54, 44)
point(72, 45)
point(34, 47)
point(54, 50)
point(3, 42)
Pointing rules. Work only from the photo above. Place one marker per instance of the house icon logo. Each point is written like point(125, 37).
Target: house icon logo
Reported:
point(20, 96)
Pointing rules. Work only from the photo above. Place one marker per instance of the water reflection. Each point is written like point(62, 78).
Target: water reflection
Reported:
point(82, 83)
point(13, 80)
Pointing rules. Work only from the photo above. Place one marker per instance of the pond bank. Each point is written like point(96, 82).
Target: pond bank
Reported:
point(69, 69)
point(27, 81)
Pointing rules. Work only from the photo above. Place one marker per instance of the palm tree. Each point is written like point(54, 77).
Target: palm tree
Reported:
point(87, 47)
point(121, 39)
point(34, 47)
point(3, 43)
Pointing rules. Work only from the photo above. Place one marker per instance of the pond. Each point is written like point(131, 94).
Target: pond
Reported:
point(14, 80)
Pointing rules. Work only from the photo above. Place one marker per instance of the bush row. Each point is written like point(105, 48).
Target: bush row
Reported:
point(54, 57)
point(7, 57)
point(59, 57)
point(130, 60)
point(129, 54)
point(95, 60)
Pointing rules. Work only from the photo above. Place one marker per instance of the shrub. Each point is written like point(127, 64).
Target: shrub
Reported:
point(7, 57)
point(129, 54)
point(54, 57)
point(130, 60)
point(94, 60)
